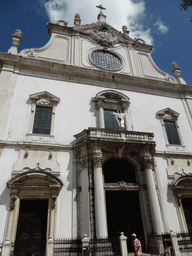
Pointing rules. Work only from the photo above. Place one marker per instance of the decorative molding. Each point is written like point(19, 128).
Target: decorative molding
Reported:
point(121, 186)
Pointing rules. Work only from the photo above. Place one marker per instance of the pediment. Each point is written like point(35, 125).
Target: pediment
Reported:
point(44, 98)
point(37, 179)
point(168, 114)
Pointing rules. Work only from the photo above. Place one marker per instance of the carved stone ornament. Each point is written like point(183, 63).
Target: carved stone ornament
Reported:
point(62, 23)
point(13, 199)
point(168, 117)
point(148, 160)
point(44, 101)
point(30, 53)
point(84, 162)
point(123, 185)
point(105, 37)
point(97, 158)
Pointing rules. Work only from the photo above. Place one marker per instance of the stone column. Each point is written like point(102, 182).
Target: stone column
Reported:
point(100, 203)
point(50, 241)
point(6, 249)
point(153, 201)
point(152, 193)
point(84, 197)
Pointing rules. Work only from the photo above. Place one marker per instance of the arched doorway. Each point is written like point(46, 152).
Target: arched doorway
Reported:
point(31, 217)
point(122, 200)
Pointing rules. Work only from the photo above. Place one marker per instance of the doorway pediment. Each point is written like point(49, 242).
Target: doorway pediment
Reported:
point(35, 180)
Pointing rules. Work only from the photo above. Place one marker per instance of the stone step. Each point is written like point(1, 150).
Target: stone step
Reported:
point(143, 254)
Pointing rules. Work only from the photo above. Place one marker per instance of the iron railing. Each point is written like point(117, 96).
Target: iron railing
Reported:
point(185, 242)
point(97, 246)
point(67, 247)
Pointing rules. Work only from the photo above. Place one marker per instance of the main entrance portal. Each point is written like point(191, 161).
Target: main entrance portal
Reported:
point(124, 215)
point(32, 227)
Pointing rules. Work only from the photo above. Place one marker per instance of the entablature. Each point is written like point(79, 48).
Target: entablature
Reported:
point(53, 70)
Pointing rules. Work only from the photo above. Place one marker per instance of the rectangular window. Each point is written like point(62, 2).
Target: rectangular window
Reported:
point(171, 131)
point(110, 119)
point(42, 122)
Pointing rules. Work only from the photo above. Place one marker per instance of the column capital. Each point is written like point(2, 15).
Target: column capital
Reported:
point(97, 159)
point(148, 160)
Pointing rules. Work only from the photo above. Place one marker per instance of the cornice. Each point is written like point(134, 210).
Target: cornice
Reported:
point(59, 71)
point(57, 146)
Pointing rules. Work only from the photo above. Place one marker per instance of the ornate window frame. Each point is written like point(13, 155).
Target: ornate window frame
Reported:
point(47, 186)
point(110, 99)
point(168, 114)
point(44, 99)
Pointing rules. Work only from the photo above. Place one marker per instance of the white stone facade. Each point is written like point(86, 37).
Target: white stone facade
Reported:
point(65, 166)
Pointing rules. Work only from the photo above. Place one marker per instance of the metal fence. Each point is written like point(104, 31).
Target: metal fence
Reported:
point(101, 246)
point(104, 246)
point(67, 247)
point(185, 242)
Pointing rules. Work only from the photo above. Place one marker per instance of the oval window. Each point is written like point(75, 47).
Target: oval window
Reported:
point(106, 60)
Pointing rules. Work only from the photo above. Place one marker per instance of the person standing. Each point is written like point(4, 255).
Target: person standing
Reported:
point(167, 251)
point(136, 245)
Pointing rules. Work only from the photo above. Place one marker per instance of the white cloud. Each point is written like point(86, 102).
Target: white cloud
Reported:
point(119, 13)
point(161, 27)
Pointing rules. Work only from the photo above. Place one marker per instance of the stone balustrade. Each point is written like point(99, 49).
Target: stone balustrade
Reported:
point(116, 135)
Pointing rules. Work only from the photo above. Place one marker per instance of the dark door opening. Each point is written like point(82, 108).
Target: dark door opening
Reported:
point(124, 215)
point(32, 228)
point(187, 207)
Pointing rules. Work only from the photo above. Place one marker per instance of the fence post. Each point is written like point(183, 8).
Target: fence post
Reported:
point(85, 245)
point(123, 244)
point(174, 242)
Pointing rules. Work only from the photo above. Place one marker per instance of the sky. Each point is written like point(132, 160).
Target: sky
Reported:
point(158, 22)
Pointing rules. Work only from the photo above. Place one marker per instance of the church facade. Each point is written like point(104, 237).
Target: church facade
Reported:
point(95, 139)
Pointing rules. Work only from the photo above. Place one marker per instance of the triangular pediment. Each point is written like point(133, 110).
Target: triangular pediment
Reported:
point(168, 114)
point(44, 97)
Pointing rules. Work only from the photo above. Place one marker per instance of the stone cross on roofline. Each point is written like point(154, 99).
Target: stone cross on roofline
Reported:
point(101, 7)
point(101, 17)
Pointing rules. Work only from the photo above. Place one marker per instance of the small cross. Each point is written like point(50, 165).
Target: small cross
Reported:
point(101, 7)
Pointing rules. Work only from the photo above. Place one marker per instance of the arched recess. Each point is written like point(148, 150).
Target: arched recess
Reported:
point(33, 184)
point(182, 190)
